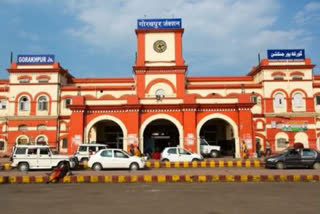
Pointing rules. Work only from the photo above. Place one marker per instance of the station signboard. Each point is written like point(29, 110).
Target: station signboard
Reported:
point(159, 23)
point(43, 59)
point(286, 54)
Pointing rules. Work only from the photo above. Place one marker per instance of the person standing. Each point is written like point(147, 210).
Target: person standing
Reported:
point(131, 150)
point(258, 149)
point(268, 149)
point(137, 151)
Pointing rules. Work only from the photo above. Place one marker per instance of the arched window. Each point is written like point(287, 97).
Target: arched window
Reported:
point(302, 137)
point(282, 143)
point(41, 127)
point(67, 102)
point(23, 127)
point(23, 140)
point(24, 104)
point(2, 145)
point(42, 103)
point(298, 100)
point(279, 100)
point(278, 77)
point(297, 77)
point(64, 143)
point(41, 140)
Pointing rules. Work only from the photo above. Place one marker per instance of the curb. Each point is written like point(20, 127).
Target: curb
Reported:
point(161, 179)
point(201, 164)
point(194, 164)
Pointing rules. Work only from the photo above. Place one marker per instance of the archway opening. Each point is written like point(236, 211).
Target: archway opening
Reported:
point(159, 134)
point(219, 132)
point(106, 132)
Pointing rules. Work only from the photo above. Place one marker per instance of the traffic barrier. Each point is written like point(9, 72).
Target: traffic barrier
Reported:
point(194, 164)
point(160, 179)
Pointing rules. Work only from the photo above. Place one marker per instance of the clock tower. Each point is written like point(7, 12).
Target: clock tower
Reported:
point(159, 63)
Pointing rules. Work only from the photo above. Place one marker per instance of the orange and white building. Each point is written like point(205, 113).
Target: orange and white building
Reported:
point(277, 103)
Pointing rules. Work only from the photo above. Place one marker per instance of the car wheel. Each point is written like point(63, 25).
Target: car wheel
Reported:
point(97, 167)
point(316, 165)
point(134, 166)
point(165, 160)
point(280, 165)
point(214, 154)
point(23, 167)
point(195, 159)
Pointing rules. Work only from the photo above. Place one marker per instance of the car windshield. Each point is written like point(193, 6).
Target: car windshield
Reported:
point(204, 142)
point(184, 152)
point(126, 153)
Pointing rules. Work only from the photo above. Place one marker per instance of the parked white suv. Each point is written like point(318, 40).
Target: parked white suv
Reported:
point(115, 158)
point(85, 150)
point(209, 150)
point(179, 154)
point(25, 157)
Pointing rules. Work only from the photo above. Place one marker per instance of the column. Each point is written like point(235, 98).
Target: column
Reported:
point(76, 124)
point(189, 127)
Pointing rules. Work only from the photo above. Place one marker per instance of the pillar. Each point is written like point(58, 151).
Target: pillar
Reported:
point(76, 124)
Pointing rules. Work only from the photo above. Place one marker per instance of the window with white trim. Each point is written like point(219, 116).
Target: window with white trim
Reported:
point(23, 127)
point(282, 143)
point(41, 140)
point(3, 104)
point(297, 77)
point(43, 80)
point(254, 99)
point(2, 145)
point(42, 104)
point(41, 127)
point(23, 140)
point(278, 77)
point(279, 100)
point(298, 100)
point(24, 104)
point(318, 100)
point(65, 143)
point(24, 80)
point(67, 102)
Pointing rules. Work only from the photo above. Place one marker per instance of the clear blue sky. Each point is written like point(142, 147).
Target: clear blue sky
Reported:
point(96, 38)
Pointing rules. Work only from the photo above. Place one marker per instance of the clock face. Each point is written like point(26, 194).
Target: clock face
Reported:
point(160, 46)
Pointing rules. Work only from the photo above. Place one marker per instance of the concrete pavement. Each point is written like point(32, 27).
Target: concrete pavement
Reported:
point(204, 198)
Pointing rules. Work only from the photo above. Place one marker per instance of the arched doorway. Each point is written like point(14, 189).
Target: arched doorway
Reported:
point(226, 121)
point(106, 129)
point(159, 134)
point(107, 132)
point(219, 132)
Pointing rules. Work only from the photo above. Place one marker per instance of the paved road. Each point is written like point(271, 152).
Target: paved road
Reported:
point(178, 171)
point(203, 198)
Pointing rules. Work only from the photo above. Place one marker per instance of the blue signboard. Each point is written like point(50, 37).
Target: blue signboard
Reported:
point(286, 54)
point(35, 59)
point(159, 23)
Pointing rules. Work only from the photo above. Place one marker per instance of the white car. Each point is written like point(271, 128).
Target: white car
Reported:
point(209, 150)
point(115, 158)
point(173, 154)
point(25, 157)
point(85, 150)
